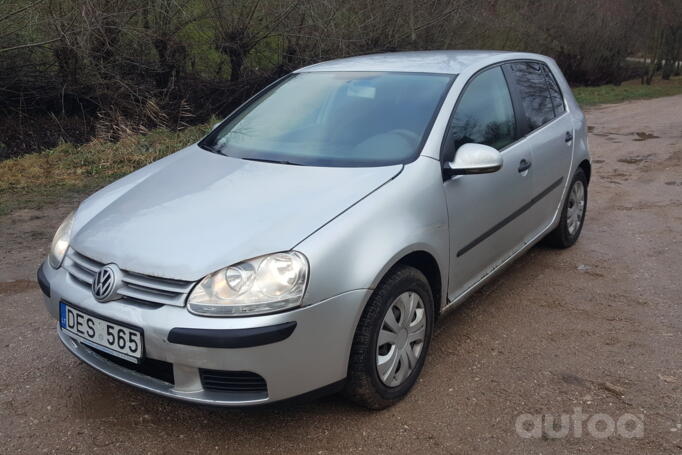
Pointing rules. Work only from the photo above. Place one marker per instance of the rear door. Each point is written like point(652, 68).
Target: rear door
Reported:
point(549, 136)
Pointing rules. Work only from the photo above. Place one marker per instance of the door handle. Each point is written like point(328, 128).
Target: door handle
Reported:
point(524, 165)
point(569, 136)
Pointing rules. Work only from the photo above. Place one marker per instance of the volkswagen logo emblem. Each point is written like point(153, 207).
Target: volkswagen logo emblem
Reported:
point(106, 283)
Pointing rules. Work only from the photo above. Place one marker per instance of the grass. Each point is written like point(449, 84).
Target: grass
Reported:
point(34, 180)
point(31, 181)
point(630, 90)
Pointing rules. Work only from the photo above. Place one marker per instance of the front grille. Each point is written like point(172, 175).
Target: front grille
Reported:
point(233, 381)
point(158, 369)
point(136, 287)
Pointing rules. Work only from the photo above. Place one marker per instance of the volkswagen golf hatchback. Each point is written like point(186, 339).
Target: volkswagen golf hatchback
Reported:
point(309, 242)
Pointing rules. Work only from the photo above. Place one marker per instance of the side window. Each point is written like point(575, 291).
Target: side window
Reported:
point(484, 114)
point(532, 87)
point(554, 92)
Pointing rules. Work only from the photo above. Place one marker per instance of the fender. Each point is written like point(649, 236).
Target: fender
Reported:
point(356, 249)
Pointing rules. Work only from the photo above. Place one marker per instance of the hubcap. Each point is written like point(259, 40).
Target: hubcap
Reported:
point(401, 339)
point(576, 207)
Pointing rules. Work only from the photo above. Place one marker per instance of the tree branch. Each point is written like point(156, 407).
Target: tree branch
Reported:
point(24, 46)
point(20, 10)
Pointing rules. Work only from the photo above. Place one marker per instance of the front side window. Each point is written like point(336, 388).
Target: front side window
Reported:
point(532, 86)
point(336, 119)
point(484, 113)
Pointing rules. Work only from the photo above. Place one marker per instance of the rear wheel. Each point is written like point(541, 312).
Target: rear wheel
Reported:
point(392, 339)
point(572, 213)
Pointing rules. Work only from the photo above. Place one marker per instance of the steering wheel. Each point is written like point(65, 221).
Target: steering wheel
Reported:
point(409, 135)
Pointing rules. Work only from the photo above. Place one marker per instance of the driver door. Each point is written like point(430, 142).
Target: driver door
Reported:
point(486, 224)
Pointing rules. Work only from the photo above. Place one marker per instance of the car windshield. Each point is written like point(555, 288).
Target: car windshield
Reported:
point(335, 119)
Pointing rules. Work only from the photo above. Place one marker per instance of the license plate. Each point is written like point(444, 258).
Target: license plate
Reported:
point(109, 337)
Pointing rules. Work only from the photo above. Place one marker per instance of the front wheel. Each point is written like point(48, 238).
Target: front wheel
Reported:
point(391, 341)
point(572, 213)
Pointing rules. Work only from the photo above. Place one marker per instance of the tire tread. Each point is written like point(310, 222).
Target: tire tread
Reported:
point(559, 237)
point(359, 386)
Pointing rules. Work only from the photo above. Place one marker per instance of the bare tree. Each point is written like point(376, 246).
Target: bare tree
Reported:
point(128, 65)
point(240, 25)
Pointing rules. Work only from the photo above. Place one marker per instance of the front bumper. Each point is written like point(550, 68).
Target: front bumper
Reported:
point(295, 352)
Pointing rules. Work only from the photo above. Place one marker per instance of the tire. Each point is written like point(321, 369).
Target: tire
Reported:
point(566, 234)
point(403, 286)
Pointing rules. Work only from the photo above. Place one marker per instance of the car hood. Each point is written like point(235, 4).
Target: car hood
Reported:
point(195, 212)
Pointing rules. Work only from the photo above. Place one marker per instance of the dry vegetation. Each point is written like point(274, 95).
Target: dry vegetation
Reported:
point(71, 70)
point(36, 179)
point(39, 178)
point(107, 86)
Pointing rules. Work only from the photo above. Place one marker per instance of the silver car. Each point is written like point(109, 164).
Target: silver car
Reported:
point(308, 244)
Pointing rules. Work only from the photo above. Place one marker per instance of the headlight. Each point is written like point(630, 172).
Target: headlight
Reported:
point(60, 242)
point(261, 285)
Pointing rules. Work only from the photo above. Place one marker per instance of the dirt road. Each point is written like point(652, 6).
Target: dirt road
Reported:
point(597, 327)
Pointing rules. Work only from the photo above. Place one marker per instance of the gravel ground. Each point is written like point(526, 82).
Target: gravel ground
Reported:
point(595, 328)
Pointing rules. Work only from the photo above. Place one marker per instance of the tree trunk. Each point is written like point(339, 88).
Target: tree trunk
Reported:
point(668, 67)
point(165, 68)
point(670, 51)
point(236, 55)
point(655, 58)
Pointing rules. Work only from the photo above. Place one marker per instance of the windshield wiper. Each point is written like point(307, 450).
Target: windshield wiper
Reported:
point(208, 148)
point(264, 160)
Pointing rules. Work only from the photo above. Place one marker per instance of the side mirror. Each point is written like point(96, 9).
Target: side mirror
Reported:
point(473, 159)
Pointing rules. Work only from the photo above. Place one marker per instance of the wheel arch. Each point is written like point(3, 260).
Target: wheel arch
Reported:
point(587, 168)
point(426, 263)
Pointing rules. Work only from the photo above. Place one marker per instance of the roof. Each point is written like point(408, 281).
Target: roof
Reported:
point(445, 62)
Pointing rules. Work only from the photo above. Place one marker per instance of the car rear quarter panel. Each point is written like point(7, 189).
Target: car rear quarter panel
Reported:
point(580, 147)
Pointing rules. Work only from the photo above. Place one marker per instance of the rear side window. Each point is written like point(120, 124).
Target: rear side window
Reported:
point(531, 84)
point(554, 92)
point(484, 113)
